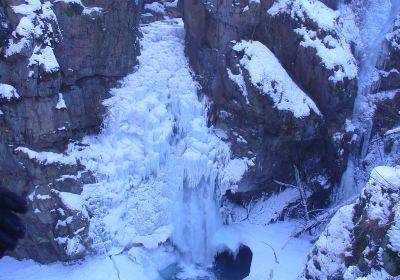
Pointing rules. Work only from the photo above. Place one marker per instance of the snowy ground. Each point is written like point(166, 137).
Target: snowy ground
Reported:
point(275, 256)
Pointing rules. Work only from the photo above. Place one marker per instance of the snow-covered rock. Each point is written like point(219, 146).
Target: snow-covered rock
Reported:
point(333, 49)
point(267, 74)
point(361, 240)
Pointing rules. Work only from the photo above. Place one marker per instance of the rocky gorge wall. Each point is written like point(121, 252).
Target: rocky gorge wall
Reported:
point(58, 60)
point(316, 45)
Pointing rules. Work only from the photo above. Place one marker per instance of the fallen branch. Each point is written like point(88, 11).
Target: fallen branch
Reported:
point(273, 250)
point(285, 185)
point(323, 218)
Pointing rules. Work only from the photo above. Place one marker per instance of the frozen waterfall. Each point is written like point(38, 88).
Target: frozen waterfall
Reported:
point(156, 160)
point(377, 20)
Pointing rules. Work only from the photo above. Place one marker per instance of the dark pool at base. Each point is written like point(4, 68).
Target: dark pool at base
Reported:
point(227, 266)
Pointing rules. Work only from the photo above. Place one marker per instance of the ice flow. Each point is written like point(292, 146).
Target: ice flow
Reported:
point(156, 160)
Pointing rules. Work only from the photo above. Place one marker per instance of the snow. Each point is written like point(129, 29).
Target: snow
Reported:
point(379, 200)
point(152, 241)
point(155, 7)
point(349, 126)
point(291, 254)
point(36, 23)
point(173, 4)
point(92, 10)
point(25, 27)
point(47, 158)
point(71, 201)
point(394, 36)
point(392, 131)
point(239, 80)
point(268, 209)
point(233, 173)
point(306, 9)
point(267, 74)
point(43, 197)
point(329, 250)
point(94, 268)
point(61, 103)
point(334, 50)
point(394, 231)
point(30, 7)
point(333, 53)
point(73, 245)
point(381, 189)
point(45, 58)
point(86, 10)
point(8, 92)
point(79, 2)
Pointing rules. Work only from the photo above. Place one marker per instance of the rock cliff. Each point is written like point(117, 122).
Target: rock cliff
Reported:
point(58, 60)
point(307, 39)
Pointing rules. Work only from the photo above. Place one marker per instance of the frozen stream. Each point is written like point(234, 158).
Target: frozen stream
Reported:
point(377, 21)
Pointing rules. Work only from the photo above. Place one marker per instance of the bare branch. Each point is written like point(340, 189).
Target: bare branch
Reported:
point(284, 184)
point(273, 250)
point(302, 192)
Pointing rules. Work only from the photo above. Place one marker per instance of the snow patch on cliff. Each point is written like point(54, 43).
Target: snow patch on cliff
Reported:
point(45, 58)
point(332, 45)
point(267, 74)
point(394, 36)
point(155, 7)
point(8, 92)
point(47, 158)
point(35, 31)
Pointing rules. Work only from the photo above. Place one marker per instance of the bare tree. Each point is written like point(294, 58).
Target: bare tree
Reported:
point(302, 192)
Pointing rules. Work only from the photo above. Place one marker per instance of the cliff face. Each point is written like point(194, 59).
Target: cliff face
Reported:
point(309, 43)
point(362, 239)
point(58, 60)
